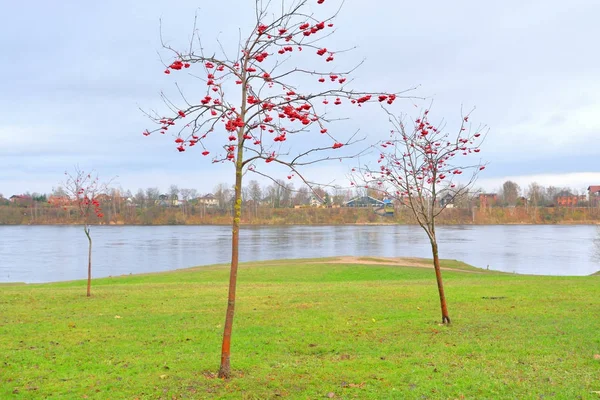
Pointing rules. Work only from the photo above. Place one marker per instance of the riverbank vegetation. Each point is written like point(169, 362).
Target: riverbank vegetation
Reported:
point(365, 329)
point(282, 204)
point(42, 214)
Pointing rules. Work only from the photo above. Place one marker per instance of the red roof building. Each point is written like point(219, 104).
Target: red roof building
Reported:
point(21, 199)
point(594, 195)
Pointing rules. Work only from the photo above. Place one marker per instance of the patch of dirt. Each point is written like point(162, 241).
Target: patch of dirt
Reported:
point(397, 261)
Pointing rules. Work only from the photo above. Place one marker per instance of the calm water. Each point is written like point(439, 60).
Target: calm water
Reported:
point(56, 253)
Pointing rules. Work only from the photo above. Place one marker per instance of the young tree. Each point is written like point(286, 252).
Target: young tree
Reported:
point(260, 98)
point(421, 163)
point(84, 188)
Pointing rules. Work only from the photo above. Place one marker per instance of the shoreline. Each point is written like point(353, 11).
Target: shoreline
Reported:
point(246, 224)
point(401, 262)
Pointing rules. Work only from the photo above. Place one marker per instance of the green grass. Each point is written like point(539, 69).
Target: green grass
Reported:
point(303, 330)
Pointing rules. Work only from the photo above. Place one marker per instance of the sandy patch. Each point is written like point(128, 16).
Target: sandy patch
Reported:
point(398, 261)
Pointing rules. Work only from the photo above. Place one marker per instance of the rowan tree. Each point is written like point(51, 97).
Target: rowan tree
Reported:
point(270, 101)
point(422, 163)
point(83, 189)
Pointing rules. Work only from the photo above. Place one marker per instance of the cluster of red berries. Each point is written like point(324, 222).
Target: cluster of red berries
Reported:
point(94, 203)
point(176, 65)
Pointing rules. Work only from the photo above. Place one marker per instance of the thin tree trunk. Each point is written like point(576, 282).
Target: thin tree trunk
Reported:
point(440, 284)
point(89, 277)
point(225, 370)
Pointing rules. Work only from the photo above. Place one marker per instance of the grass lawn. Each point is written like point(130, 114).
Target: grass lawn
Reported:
point(304, 329)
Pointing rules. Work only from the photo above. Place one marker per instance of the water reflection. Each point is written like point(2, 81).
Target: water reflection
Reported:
point(53, 253)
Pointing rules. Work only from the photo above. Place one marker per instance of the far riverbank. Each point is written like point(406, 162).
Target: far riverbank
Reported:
point(11, 215)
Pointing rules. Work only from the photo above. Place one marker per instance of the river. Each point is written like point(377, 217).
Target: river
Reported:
point(36, 254)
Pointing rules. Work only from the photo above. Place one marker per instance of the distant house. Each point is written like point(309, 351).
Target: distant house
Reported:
point(163, 200)
point(315, 201)
point(21, 199)
point(488, 200)
point(364, 201)
point(208, 200)
point(568, 199)
point(447, 201)
point(594, 195)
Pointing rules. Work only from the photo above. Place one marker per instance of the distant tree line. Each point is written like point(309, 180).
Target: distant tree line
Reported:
point(150, 205)
point(536, 195)
point(267, 204)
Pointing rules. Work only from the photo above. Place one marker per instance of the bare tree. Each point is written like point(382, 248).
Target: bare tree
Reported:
point(286, 195)
point(510, 193)
point(152, 195)
point(84, 188)
point(536, 194)
point(173, 195)
point(302, 196)
point(115, 203)
point(223, 195)
point(419, 163)
point(338, 197)
point(186, 196)
point(59, 192)
point(551, 193)
point(255, 195)
point(464, 198)
point(254, 95)
point(279, 193)
point(140, 198)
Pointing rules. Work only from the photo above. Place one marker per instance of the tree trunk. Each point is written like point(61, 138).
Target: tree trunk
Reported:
point(89, 277)
point(225, 370)
point(440, 284)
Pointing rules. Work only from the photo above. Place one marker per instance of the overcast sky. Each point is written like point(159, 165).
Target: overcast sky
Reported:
point(75, 73)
